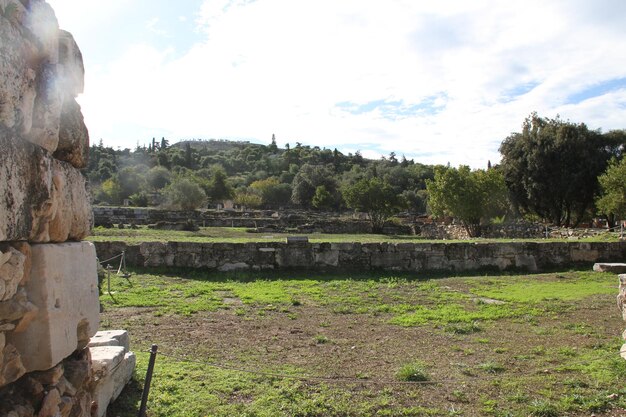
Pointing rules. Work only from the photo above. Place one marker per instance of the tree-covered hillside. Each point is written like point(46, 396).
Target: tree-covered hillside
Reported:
point(257, 176)
point(549, 172)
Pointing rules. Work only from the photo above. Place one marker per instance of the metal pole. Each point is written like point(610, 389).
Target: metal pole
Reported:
point(146, 385)
point(109, 278)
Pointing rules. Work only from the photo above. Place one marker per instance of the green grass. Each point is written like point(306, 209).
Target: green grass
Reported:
point(241, 235)
point(525, 296)
point(190, 389)
point(413, 372)
point(560, 287)
point(563, 358)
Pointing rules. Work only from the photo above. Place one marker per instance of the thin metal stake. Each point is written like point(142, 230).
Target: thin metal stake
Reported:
point(109, 279)
point(146, 385)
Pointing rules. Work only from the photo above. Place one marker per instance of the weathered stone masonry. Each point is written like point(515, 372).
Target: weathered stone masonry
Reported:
point(49, 307)
point(364, 256)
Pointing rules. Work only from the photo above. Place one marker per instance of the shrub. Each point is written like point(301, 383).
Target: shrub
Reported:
point(413, 372)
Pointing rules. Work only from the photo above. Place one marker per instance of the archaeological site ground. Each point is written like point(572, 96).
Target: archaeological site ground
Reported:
point(299, 307)
point(369, 344)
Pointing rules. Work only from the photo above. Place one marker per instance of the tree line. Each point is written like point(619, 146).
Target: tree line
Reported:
point(553, 171)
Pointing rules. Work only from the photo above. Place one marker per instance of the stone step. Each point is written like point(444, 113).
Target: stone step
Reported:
point(111, 338)
point(113, 365)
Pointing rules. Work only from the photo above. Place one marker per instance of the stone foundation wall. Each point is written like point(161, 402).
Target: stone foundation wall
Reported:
point(49, 306)
point(363, 257)
point(506, 231)
point(458, 232)
point(297, 221)
point(263, 221)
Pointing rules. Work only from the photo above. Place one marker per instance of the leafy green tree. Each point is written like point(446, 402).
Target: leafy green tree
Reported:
point(158, 177)
point(218, 188)
point(468, 196)
point(248, 199)
point(140, 199)
point(188, 156)
point(185, 194)
point(306, 181)
point(126, 182)
point(415, 200)
point(374, 197)
point(612, 201)
point(551, 168)
point(322, 198)
point(273, 193)
point(110, 192)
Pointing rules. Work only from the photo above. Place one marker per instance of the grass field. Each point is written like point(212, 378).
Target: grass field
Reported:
point(372, 345)
point(241, 235)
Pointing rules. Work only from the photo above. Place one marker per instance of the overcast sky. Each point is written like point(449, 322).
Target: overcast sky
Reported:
point(437, 81)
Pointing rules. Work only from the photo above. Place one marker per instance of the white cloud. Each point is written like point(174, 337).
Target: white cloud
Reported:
point(278, 66)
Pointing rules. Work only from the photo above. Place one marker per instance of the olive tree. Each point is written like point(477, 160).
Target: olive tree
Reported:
point(472, 197)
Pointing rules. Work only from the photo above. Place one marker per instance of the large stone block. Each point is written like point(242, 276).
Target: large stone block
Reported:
point(111, 338)
point(42, 23)
point(113, 366)
point(11, 367)
point(73, 217)
point(63, 285)
point(73, 135)
point(41, 72)
point(43, 199)
point(18, 312)
point(11, 272)
point(17, 71)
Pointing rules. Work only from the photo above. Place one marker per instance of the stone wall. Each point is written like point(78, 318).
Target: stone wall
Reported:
point(264, 221)
point(458, 232)
point(298, 221)
point(49, 306)
point(506, 231)
point(364, 256)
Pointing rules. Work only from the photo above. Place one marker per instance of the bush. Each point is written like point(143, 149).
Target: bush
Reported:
point(185, 194)
point(413, 372)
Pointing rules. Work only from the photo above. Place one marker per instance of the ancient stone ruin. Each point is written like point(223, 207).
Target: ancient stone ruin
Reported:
point(49, 308)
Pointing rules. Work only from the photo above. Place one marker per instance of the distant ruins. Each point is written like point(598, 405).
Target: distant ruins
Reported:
point(49, 307)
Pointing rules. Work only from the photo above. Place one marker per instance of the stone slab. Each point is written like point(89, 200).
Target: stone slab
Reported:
point(63, 285)
point(113, 368)
point(616, 268)
point(111, 338)
point(43, 199)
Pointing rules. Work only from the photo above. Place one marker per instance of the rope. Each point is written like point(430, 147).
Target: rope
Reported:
point(110, 259)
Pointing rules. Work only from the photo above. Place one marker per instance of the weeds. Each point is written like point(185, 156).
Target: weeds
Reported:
point(413, 372)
